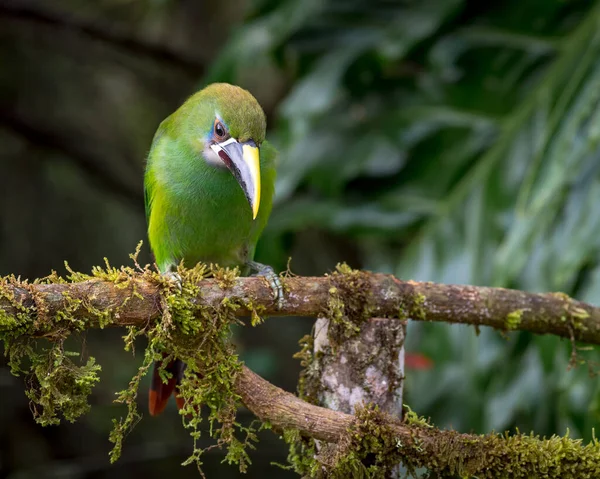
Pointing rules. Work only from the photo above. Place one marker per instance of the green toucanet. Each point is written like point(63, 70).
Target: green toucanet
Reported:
point(209, 186)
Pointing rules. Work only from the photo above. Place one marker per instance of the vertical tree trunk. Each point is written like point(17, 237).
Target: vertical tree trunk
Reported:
point(366, 368)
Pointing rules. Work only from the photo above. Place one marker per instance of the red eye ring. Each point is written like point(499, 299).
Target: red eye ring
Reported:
point(220, 132)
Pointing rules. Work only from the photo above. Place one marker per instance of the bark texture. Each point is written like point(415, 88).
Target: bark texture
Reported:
point(366, 368)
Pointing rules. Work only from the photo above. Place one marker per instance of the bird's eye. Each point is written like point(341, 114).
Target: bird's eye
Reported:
point(220, 131)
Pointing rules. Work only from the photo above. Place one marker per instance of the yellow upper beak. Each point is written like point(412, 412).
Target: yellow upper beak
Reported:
point(243, 160)
point(251, 158)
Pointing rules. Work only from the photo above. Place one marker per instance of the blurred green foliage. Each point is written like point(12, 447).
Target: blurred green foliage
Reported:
point(438, 140)
point(451, 143)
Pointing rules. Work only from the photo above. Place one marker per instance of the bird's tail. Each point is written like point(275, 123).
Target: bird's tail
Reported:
point(160, 392)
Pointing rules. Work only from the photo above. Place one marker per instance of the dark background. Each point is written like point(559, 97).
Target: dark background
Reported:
point(439, 140)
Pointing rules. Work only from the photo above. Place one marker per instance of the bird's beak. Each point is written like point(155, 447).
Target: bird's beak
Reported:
point(243, 161)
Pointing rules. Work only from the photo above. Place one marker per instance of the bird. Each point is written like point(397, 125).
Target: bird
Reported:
point(209, 185)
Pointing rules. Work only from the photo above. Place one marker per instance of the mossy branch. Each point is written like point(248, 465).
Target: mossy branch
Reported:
point(192, 321)
point(133, 299)
point(413, 441)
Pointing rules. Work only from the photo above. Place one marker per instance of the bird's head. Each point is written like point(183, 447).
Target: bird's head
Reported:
point(227, 128)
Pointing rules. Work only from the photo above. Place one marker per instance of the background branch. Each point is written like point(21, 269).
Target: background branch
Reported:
point(118, 37)
point(96, 170)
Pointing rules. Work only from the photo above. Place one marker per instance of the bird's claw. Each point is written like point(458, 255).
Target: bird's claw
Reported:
point(174, 279)
point(269, 273)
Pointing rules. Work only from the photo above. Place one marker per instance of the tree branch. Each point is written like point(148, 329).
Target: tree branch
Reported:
point(420, 445)
point(79, 154)
point(286, 411)
point(377, 295)
point(124, 297)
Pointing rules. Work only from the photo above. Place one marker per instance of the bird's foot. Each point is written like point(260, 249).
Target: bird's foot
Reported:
point(269, 273)
point(174, 279)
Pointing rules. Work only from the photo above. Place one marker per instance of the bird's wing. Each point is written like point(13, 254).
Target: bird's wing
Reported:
point(147, 201)
point(149, 180)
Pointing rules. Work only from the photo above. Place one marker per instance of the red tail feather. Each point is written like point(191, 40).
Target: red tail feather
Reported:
point(160, 392)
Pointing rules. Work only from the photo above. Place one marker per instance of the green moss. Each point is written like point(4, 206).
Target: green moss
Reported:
point(337, 313)
point(302, 456)
point(372, 448)
point(225, 276)
point(402, 313)
point(369, 449)
point(513, 319)
point(198, 335)
point(349, 303)
point(413, 307)
point(34, 343)
point(579, 313)
point(256, 312)
point(418, 309)
point(413, 419)
point(574, 314)
point(578, 316)
point(201, 337)
point(56, 385)
point(308, 382)
point(60, 386)
point(525, 456)
point(563, 296)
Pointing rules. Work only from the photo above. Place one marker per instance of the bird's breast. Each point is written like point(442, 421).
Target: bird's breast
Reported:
point(210, 223)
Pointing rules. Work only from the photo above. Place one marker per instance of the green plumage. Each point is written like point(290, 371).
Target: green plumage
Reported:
point(197, 211)
point(202, 189)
